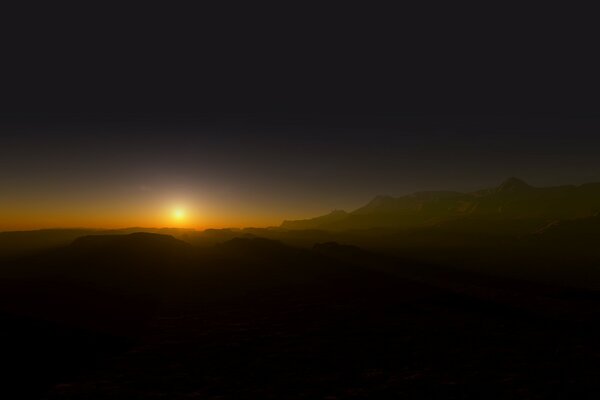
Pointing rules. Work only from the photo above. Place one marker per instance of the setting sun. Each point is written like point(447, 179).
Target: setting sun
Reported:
point(179, 214)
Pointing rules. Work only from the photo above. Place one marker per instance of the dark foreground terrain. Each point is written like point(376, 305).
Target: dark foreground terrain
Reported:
point(148, 316)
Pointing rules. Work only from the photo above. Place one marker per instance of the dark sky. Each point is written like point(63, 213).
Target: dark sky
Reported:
point(246, 116)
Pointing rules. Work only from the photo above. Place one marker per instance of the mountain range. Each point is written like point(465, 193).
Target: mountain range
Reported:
point(442, 290)
point(512, 200)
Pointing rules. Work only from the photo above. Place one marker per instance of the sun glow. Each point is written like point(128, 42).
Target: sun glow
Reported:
point(179, 214)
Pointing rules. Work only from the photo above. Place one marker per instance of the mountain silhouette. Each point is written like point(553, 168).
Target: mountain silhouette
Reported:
point(512, 199)
point(128, 315)
point(139, 243)
point(23, 242)
point(107, 283)
point(513, 185)
point(318, 222)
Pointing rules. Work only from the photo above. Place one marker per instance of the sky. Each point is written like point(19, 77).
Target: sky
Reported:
point(246, 171)
point(115, 118)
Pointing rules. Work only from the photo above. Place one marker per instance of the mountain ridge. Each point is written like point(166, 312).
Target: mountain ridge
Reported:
point(512, 199)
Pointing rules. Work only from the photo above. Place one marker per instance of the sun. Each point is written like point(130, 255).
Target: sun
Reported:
point(179, 214)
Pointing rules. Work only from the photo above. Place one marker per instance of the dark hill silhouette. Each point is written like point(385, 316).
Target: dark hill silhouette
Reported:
point(73, 307)
point(254, 315)
point(139, 243)
point(344, 251)
point(244, 265)
point(17, 243)
point(106, 283)
point(512, 199)
point(23, 242)
point(242, 246)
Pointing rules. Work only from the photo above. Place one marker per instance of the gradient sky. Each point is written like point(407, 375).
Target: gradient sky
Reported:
point(241, 170)
point(115, 117)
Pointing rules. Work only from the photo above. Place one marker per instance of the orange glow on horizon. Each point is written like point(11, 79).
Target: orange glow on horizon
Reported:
point(144, 213)
point(176, 218)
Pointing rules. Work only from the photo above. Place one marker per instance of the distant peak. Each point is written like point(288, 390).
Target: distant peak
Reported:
point(512, 185)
